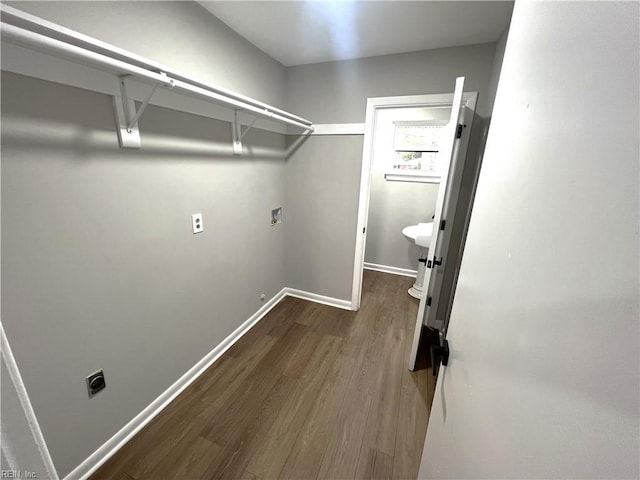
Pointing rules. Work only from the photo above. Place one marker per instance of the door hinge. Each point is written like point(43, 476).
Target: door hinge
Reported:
point(428, 301)
point(459, 130)
point(442, 224)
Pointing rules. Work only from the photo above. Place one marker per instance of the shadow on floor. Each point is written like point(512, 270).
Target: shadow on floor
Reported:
point(428, 337)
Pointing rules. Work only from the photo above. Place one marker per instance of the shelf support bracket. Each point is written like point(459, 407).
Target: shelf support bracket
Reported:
point(128, 135)
point(237, 134)
point(127, 116)
point(236, 138)
point(134, 121)
point(298, 143)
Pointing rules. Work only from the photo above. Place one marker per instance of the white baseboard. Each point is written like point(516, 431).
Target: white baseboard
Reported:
point(115, 443)
point(314, 297)
point(405, 272)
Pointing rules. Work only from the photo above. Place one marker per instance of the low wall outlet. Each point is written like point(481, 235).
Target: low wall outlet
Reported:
point(196, 223)
point(95, 383)
point(276, 215)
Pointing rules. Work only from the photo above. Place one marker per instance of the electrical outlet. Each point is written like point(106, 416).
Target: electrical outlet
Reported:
point(95, 383)
point(276, 215)
point(196, 223)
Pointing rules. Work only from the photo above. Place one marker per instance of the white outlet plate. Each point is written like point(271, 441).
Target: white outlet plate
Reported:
point(196, 223)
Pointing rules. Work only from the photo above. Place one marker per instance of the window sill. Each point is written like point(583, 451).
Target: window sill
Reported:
point(418, 177)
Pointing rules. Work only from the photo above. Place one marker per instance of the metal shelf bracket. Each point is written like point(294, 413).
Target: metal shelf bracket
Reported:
point(126, 114)
point(236, 131)
point(24, 30)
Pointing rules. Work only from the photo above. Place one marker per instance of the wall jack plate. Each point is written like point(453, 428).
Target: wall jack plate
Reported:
point(95, 383)
point(276, 215)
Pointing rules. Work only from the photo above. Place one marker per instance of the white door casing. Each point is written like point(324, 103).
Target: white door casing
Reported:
point(24, 450)
point(373, 105)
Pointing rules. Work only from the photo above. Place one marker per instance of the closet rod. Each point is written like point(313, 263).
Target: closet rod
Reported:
point(83, 56)
point(35, 24)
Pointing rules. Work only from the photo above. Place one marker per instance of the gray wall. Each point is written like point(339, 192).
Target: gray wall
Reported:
point(100, 268)
point(337, 92)
point(182, 35)
point(497, 66)
point(320, 206)
point(393, 206)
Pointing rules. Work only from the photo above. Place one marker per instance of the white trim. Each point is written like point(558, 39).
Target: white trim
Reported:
point(314, 297)
point(27, 408)
point(405, 272)
point(363, 203)
point(338, 129)
point(94, 461)
point(411, 177)
point(374, 103)
point(115, 443)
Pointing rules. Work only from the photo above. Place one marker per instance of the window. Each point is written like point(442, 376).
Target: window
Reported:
point(417, 157)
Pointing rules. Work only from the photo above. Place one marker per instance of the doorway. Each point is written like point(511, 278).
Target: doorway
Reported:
point(404, 182)
point(403, 186)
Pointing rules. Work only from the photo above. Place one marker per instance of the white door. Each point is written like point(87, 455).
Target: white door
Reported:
point(543, 378)
point(439, 245)
point(438, 295)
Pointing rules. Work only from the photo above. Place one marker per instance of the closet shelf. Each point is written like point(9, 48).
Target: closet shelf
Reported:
point(34, 33)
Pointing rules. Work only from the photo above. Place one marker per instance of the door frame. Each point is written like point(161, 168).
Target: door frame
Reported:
point(373, 105)
point(23, 430)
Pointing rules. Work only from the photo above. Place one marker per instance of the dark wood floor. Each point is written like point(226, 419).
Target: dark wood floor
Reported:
point(310, 392)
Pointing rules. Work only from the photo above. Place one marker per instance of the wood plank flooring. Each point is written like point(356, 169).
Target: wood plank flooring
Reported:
point(310, 392)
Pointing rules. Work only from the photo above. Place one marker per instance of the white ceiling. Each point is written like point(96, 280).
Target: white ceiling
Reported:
point(301, 32)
